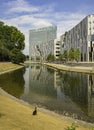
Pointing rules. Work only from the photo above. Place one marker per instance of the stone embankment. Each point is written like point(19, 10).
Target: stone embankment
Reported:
point(75, 67)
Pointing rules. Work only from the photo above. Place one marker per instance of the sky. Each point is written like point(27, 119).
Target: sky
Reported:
point(31, 14)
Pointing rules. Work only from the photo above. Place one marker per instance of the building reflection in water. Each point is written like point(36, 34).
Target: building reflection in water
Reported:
point(80, 87)
point(91, 95)
point(57, 89)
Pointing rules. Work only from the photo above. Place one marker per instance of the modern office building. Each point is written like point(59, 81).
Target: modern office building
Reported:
point(41, 41)
point(62, 40)
point(57, 48)
point(82, 36)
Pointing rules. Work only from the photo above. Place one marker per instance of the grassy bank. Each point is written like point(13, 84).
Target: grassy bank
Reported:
point(16, 115)
point(8, 66)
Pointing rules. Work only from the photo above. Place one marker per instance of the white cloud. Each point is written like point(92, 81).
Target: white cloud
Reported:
point(25, 23)
point(67, 21)
point(40, 16)
point(18, 6)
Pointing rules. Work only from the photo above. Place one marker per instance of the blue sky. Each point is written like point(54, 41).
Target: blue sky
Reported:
point(28, 14)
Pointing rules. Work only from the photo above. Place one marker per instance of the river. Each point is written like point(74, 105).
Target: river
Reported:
point(66, 93)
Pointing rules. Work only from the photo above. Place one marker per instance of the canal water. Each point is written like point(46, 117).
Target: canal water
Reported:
point(66, 93)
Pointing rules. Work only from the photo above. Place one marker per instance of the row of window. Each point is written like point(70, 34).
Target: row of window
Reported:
point(91, 28)
point(91, 22)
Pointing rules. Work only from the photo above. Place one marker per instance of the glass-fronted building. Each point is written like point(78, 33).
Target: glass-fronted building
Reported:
point(41, 41)
point(82, 37)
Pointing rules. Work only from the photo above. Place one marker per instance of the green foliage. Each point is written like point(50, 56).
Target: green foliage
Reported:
point(27, 57)
point(1, 23)
point(31, 58)
point(17, 56)
point(92, 128)
point(13, 38)
point(71, 54)
point(37, 57)
point(61, 56)
point(72, 127)
point(74, 54)
point(65, 55)
point(10, 38)
point(50, 57)
point(77, 54)
point(4, 55)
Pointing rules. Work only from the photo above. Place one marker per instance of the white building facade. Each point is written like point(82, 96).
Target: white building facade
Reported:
point(57, 48)
point(43, 38)
point(82, 37)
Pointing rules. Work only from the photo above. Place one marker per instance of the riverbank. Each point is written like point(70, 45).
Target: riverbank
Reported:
point(6, 67)
point(17, 115)
point(73, 67)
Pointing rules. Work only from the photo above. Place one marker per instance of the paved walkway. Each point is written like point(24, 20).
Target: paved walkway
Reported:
point(84, 69)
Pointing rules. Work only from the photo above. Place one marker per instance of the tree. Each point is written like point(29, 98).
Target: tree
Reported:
point(10, 39)
point(40, 52)
point(27, 57)
point(13, 38)
point(38, 58)
point(17, 56)
point(77, 54)
point(71, 54)
point(50, 57)
point(4, 55)
point(32, 58)
point(61, 57)
point(65, 55)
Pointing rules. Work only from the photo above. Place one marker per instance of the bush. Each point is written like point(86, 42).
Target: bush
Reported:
point(72, 127)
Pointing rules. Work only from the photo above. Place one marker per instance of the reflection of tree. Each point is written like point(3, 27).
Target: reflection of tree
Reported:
point(91, 83)
point(38, 67)
point(50, 70)
point(13, 82)
point(75, 86)
point(71, 80)
point(39, 73)
point(42, 82)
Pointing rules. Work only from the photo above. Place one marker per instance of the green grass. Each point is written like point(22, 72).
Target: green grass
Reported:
point(16, 116)
point(4, 66)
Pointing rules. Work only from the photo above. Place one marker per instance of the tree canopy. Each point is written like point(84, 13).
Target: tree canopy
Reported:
point(10, 39)
point(50, 57)
point(70, 55)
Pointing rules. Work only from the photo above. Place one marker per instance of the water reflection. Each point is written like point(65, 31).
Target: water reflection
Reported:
point(13, 82)
point(64, 92)
point(91, 95)
point(71, 94)
point(79, 87)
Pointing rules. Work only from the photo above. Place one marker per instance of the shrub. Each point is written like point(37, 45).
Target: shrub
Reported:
point(72, 127)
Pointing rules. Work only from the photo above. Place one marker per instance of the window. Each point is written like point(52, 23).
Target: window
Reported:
point(57, 47)
point(57, 55)
point(57, 51)
point(57, 44)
